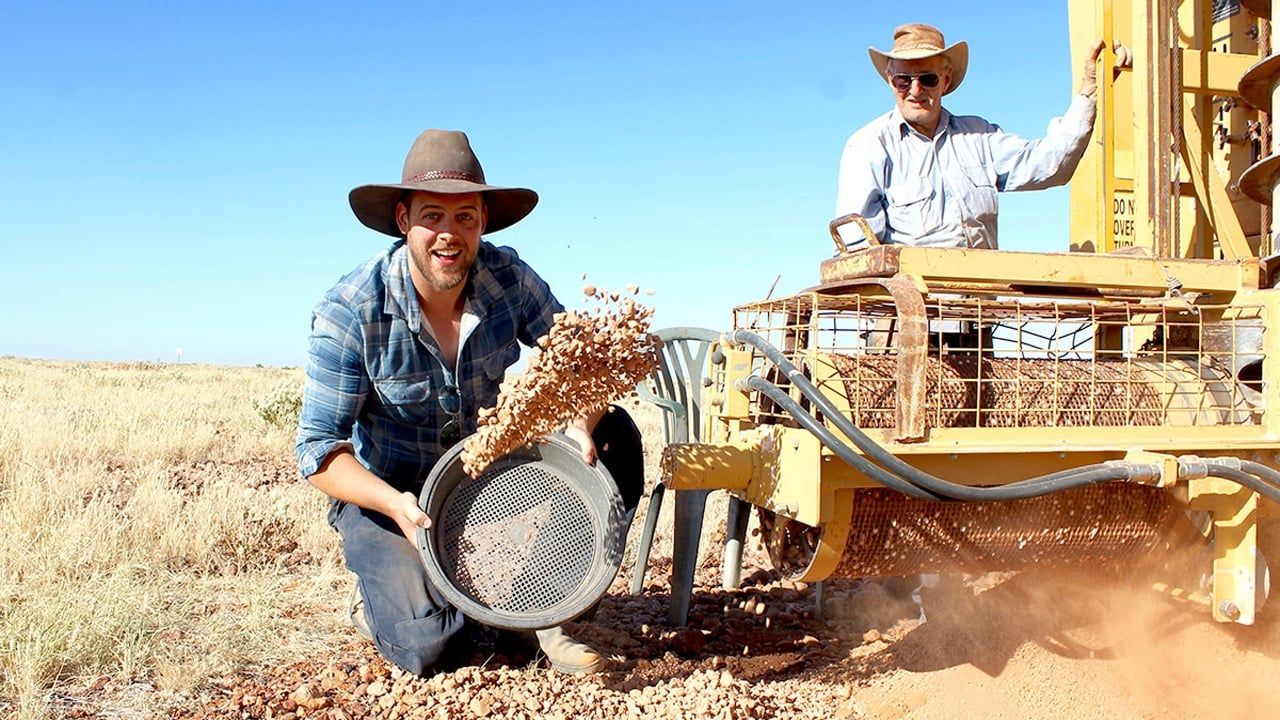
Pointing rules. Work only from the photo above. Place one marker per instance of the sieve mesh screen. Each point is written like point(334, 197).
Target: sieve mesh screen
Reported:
point(517, 538)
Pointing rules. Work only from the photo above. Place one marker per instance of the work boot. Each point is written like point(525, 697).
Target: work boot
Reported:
point(359, 620)
point(568, 655)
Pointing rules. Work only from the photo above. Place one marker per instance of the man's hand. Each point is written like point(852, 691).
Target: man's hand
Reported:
point(579, 433)
point(1089, 83)
point(408, 516)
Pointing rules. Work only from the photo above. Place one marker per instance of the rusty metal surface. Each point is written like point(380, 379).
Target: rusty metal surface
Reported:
point(965, 390)
point(1094, 526)
point(912, 344)
point(974, 362)
point(878, 261)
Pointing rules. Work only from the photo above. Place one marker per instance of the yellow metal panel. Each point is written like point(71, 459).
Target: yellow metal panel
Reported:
point(1075, 269)
point(1237, 566)
point(835, 533)
point(1214, 73)
point(737, 364)
point(1212, 192)
point(994, 468)
point(1145, 85)
point(796, 491)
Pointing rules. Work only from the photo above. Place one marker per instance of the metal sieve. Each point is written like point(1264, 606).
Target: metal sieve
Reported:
point(531, 543)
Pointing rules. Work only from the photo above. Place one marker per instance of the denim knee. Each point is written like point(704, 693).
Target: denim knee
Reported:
point(410, 622)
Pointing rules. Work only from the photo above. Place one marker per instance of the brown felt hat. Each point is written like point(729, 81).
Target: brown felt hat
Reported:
point(914, 41)
point(440, 161)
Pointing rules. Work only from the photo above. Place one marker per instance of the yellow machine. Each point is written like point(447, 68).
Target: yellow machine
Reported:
point(944, 410)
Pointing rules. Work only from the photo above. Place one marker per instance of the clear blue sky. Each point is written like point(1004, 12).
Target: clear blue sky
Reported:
point(177, 176)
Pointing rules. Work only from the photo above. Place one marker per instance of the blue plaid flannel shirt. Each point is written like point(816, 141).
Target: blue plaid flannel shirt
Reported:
point(373, 370)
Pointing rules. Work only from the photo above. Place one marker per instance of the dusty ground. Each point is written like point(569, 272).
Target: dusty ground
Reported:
point(1032, 645)
point(193, 577)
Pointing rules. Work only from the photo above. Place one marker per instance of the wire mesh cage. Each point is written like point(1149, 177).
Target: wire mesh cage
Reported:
point(1014, 362)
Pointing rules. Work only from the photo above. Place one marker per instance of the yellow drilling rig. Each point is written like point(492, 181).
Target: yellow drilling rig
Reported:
point(1115, 397)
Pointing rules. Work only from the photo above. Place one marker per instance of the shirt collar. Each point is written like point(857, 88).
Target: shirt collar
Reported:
point(481, 292)
point(896, 120)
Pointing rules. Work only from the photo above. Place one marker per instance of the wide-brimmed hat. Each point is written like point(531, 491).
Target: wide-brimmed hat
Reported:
point(914, 41)
point(440, 161)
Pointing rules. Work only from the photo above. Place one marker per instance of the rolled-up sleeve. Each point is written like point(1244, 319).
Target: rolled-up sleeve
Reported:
point(336, 385)
point(1050, 161)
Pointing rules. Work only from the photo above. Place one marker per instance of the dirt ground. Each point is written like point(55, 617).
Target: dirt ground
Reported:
point(1010, 646)
point(1029, 645)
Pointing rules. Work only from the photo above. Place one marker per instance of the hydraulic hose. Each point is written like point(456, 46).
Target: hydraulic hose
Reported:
point(1240, 477)
point(943, 490)
point(1267, 474)
point(840, 448)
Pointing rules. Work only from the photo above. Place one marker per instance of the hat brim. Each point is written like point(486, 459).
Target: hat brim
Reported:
point(375, 205)
point(957, 53)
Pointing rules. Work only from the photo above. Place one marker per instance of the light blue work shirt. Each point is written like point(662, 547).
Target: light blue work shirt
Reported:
point(941, 191)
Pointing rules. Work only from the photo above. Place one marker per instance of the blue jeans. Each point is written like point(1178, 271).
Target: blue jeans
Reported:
point(410, 620)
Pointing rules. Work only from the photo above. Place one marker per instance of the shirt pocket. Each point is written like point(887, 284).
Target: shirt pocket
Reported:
point(980, 190)
point(494, 366)
point(407, 399)
point(908, 206)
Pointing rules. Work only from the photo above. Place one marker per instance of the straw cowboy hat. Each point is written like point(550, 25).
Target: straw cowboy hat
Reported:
point(440, 161)
point(917, 40)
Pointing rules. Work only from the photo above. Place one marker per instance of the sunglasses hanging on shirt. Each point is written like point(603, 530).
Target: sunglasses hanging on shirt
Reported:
point(451, 404)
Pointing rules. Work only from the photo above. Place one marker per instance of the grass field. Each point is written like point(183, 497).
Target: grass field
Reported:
point(156, 532)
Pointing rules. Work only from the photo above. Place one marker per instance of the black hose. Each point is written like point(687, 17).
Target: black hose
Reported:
point(939, 489)
point(1240, 477)
point(840, 448)
point(1267, 474)
point(1031, 487)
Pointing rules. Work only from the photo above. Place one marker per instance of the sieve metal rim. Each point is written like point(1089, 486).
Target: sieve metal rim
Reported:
point(555, 452)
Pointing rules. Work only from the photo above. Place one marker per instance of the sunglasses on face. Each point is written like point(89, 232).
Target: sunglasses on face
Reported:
point(902, 81)
point(451, 404)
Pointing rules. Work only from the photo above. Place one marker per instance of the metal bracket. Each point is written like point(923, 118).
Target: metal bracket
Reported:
point(1238, 570)
point(835, 225)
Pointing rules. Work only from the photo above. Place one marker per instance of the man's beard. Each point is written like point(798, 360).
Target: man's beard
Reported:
point(445, 279)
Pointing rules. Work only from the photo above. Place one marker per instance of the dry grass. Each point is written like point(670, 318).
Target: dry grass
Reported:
point(141, 541)
point(124, 556)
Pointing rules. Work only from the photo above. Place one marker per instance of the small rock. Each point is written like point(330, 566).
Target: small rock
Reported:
point(689, 641)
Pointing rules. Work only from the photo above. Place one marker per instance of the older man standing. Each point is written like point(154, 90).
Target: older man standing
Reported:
point(404, 351)
point(922, 176)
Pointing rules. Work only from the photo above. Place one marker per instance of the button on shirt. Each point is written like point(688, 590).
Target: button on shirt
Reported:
point(941, 191)
point(374, 371)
